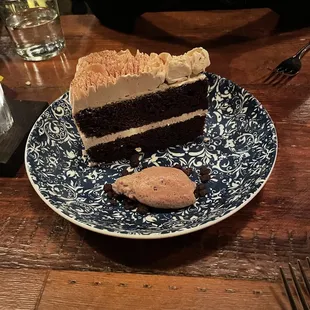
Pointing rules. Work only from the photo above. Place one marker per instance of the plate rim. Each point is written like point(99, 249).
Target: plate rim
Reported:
point(152, 236)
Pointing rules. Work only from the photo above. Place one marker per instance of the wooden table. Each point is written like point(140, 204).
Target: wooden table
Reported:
point(48, 263)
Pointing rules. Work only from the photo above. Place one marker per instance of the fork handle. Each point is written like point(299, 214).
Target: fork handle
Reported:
point(303, 51)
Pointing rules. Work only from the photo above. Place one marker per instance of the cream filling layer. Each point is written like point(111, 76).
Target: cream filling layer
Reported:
point(92, 141)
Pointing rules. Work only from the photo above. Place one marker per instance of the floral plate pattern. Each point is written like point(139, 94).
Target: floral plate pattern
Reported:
point(239, 146)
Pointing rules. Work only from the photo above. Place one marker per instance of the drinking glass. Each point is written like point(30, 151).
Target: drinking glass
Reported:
point(34, 27)
point(6, 119)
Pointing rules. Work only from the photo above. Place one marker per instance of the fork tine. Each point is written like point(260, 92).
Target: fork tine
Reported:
point(274, 78)
point(304, 277)
point(288, 290)
point(284, 81)
point(298, 289)
point(270, 76)
point(279, 79)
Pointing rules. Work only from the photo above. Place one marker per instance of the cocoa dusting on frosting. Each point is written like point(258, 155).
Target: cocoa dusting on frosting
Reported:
point(158, 187)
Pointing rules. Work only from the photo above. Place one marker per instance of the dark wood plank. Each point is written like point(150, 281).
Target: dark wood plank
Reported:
point(21, 289)
point(94, 290)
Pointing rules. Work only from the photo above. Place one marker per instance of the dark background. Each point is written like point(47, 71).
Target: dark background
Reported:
point(121, 16)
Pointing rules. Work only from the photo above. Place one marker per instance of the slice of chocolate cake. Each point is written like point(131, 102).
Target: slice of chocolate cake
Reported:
point(121, 101)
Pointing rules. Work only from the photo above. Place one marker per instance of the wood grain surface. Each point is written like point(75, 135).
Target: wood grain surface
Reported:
point(124, 291)
point(270, 231)
point(21, 289)
point(38, 289)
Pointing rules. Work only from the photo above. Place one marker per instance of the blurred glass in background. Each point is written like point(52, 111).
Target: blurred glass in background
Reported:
point(6, 119)
point(34, 27)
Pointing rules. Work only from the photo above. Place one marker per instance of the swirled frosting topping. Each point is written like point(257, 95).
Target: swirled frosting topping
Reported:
point(115, 75)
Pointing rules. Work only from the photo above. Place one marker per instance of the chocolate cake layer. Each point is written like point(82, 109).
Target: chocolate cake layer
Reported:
point(143, 110)
point(150, 141)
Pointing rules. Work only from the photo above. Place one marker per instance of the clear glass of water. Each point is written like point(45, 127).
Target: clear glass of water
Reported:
point(6, 119)
point(34, 27)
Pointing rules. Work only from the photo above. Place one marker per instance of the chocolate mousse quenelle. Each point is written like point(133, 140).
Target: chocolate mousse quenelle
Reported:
point(158, 187)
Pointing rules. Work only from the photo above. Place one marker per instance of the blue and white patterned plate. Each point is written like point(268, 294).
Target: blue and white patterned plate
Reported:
point(240, 148)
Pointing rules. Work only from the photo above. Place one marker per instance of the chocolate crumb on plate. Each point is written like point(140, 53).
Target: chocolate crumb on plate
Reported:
point(205, 178)
point(142, 209)
point(135, 160)
point(107, 187)
point(203, 192)
point(201, 186)
point(120, 197)
point(129, 204)
point(187, 171)
point(196, 193)
point(124, 172)
point(204, 170)
point(115, 194)
point(113, 203)
point(110, 194)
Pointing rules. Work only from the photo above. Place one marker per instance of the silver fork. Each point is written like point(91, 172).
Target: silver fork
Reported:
point(292, 65)
point(298, 288)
